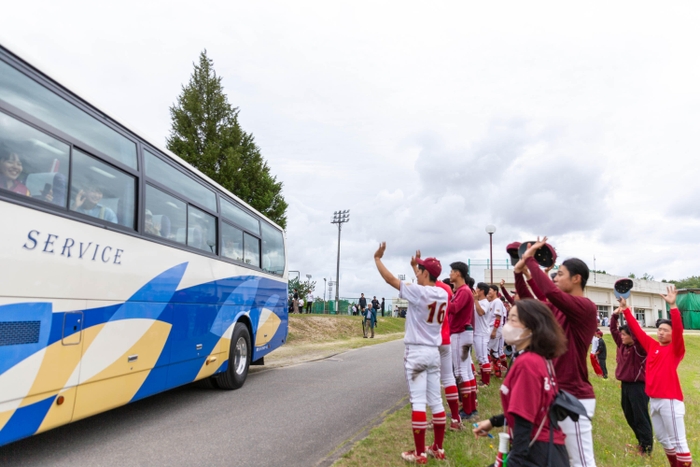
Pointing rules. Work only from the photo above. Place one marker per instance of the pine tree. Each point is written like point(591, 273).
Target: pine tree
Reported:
point(205, 132)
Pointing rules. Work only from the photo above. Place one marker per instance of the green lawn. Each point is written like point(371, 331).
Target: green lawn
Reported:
point(611, 433)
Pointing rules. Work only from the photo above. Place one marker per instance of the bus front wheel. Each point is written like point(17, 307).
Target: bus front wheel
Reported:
point(239, 359)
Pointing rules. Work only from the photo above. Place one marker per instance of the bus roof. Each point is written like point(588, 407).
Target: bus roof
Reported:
point(26, 57)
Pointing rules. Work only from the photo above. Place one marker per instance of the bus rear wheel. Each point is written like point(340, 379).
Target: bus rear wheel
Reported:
point(238, 361)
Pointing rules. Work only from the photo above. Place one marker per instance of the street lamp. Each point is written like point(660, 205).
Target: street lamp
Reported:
point(491, 229)
point(339, 217)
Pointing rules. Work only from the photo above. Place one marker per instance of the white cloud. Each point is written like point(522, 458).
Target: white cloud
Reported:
point(428, 121)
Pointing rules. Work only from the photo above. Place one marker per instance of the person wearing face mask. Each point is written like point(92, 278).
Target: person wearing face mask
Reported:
point(662, 384)
point(530, 387)
point(577, 316)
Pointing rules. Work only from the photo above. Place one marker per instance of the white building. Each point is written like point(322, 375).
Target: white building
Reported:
point(645, 301)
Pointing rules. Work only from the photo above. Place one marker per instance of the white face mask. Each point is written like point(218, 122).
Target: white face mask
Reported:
point(513, 335)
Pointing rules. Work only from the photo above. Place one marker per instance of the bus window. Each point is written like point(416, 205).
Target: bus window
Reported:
point(239, 216)
point(102, 191)
point(26, 94)
point(201, 230)
point(32, 163)
point(168, 215)
point(272, 249)
point(232, 239)
point(251, 253)
point(179, 182)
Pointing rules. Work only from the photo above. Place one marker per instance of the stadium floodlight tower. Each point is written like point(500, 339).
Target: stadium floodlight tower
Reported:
point(340, 218)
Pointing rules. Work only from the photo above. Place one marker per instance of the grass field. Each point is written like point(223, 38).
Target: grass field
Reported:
point(611, 433)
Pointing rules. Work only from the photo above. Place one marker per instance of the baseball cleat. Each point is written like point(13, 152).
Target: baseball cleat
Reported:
point(456, 425)
point(436, 453)
point(411, 456)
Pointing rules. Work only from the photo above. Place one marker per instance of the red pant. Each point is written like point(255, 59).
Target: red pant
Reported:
point(596, 366)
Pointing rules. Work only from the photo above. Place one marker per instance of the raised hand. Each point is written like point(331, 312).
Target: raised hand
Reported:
point(532, 248)
point(380, 251)
point(670, 296)
point(503, 282)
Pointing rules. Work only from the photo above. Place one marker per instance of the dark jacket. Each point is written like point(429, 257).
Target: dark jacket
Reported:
point(363, 302)
point(631, 360)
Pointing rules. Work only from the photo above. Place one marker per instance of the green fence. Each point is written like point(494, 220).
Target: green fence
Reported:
point(689, 304)
point(344, 304)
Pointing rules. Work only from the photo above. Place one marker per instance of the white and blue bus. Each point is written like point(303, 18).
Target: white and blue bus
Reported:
point(124, 271)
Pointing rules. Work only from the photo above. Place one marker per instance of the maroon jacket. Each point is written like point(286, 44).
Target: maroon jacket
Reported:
point(578, 318)
point(631, 360)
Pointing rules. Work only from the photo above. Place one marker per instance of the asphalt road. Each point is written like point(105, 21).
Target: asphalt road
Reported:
point(302, 415)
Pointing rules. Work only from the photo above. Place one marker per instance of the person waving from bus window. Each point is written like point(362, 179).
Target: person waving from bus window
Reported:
point(87, 201)
point(10, 170)
point(530, 387)
point(662, 384)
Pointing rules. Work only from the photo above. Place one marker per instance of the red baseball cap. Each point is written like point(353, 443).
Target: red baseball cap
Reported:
point(432, 265)
point(512, 250)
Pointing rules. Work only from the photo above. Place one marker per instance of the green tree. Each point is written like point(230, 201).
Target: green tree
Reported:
point(205, 132)
point(692, 282)
point(304, 287)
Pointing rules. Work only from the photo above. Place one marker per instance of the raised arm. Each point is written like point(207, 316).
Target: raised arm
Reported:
point(520, 285)
point(383, 271)
point(614, 327)
point(676, 322)
point(505, 292)
point(636, 329)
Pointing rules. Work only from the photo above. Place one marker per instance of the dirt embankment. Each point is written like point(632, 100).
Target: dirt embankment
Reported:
point(312, 337)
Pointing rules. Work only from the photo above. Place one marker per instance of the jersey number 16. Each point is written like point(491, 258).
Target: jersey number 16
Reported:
point(440, 314)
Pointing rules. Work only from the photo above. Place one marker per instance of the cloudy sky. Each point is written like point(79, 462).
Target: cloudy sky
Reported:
point(428, 120)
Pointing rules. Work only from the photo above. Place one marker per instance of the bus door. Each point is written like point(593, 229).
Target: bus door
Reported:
point(41, 362)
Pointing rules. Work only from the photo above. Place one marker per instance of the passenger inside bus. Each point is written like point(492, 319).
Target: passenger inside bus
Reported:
point(10, 170)
point(87, 201)
point(150, 226)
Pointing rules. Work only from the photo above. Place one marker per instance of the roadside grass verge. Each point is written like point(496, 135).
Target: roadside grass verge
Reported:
point(312, 337)
point(611, 433)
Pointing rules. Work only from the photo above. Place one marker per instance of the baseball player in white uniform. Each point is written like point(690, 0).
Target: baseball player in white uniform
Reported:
point(497, 319)
point(482, 331)
point(427, 305)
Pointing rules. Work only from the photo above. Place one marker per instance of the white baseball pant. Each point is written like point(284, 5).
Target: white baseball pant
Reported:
point(481, 347)
point(496, 345)
point(422, 365)
point(579, 437)
point(447, 376)
point(461, 352)
point(669, 425)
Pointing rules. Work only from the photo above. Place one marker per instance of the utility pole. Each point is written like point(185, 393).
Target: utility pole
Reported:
point(339, 217)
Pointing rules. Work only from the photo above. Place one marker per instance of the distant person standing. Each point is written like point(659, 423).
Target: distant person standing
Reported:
point(602, 354)
point(309, 302)
point(363, 302)
point(375, 303)
point(631, 372)
point(370, 317)
point(295, 302)
point(382, 307)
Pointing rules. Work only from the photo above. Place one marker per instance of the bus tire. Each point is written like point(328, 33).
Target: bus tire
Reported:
point(239, 359)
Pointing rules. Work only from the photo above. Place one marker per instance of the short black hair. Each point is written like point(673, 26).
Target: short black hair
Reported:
point(577, 267)
point(483, 286)
point(626, 329)
point(493, 287)
point(462, 268)
point(659, 322)
point(470, 282)
point(432, 278)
